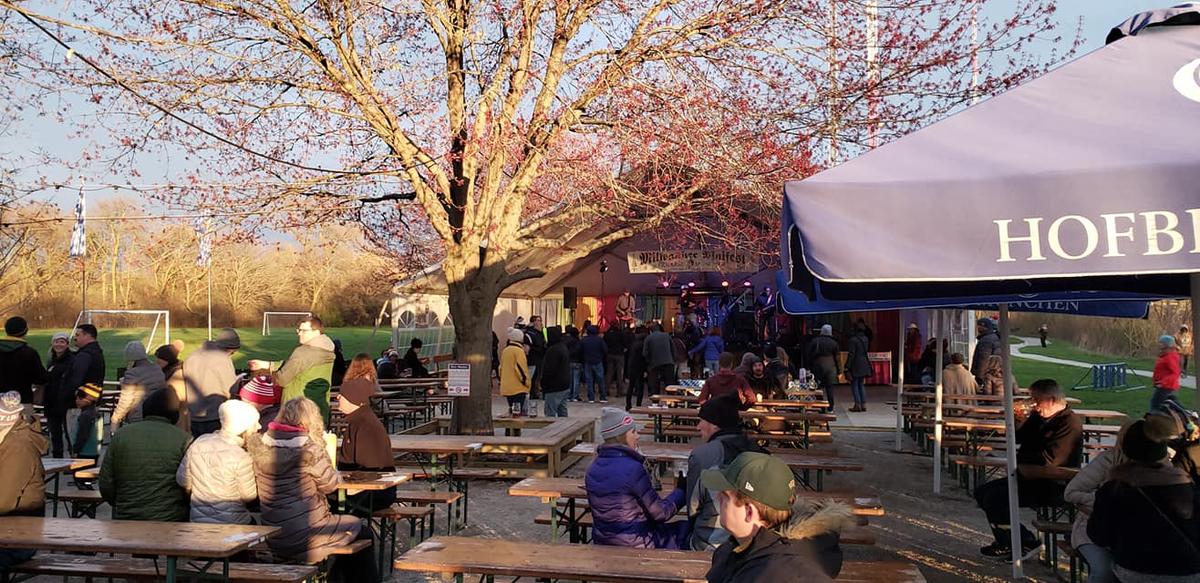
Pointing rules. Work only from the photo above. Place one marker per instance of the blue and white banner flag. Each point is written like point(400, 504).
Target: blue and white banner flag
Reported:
point(79, 232)
point(204, 255)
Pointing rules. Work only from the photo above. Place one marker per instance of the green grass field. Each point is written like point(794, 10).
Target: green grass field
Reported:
point(277, 346)
point(1131, 402)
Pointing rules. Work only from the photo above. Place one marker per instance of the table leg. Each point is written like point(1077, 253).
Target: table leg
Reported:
point(56, 478)
point(553, 519)
point(171, 569)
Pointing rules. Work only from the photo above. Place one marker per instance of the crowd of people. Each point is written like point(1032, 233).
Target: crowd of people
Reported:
point(191, 440)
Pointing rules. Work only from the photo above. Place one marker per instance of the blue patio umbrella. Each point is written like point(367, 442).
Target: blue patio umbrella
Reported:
point(1087, 177)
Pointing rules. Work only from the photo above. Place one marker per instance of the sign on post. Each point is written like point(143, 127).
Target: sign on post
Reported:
point(458, 383)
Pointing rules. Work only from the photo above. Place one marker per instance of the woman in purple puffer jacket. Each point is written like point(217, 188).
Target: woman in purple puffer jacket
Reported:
point(626, 509)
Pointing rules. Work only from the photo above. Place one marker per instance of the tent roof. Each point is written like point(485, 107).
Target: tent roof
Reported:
point(584, 273)
point(1111, 133)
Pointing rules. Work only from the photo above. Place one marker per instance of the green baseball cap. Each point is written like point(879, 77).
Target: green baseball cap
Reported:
point(758, 476)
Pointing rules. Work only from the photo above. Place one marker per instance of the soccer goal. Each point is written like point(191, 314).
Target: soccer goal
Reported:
point(162, 321)
point(266, 326)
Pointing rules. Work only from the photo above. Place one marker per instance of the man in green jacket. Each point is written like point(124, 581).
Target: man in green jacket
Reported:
point(307, 372)
point(137, 476)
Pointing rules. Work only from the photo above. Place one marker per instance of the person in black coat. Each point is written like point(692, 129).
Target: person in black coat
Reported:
point(86, 368)
point(56, 399)
point(635, 369)
point(413, 361)
point(20, 362)
point(1148, 513)
point(556, 374)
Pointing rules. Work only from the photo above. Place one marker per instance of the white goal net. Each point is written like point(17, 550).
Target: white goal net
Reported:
point(159, 328)
point(291, 317)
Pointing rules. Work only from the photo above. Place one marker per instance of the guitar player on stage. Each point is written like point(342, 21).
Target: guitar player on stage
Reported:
point(625, 309)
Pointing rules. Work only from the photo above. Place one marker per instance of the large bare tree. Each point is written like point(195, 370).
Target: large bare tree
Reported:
point(475, 132)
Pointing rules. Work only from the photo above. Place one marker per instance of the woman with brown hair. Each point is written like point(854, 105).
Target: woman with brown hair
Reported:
point(365, 443)
point(294, 475)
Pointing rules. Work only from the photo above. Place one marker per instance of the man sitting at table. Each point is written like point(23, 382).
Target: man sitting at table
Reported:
point(772, 536)
point(22, 489)
point(137, 476)
point(724, 439)
point(217, 470)
point(728, 383)
point(626, 508)
point(1048, 441)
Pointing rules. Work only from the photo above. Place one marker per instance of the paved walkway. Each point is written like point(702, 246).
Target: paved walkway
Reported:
point(1016, 351)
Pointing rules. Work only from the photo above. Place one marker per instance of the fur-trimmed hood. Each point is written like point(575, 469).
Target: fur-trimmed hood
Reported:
point(814, 518)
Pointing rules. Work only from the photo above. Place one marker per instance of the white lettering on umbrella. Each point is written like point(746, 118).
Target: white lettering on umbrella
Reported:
point(1186, 82)
point(1154, 232)
point(1160, 231)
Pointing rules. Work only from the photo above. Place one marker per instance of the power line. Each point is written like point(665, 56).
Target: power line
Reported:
point(153, 217)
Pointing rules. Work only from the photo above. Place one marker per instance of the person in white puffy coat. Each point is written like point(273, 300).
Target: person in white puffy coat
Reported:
point(217, 470)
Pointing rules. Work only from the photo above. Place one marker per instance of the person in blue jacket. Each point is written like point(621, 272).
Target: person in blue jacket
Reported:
point(626, 508)
point(712, 346)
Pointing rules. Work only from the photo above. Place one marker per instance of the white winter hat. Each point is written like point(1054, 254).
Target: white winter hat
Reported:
point(826, 330)
point(515, 335)
point(238, 417)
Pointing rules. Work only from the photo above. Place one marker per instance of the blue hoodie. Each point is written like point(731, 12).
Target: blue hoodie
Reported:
point(712, 346)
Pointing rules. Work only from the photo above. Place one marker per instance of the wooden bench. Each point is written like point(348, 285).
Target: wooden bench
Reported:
point(79, 503)
point(1051, 532)
point(148, 570)
point(491, 557)
point(420, 527)
point(853, 535)
point(455, 517)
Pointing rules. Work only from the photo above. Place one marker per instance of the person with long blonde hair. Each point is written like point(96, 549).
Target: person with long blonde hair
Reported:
point(294, 475)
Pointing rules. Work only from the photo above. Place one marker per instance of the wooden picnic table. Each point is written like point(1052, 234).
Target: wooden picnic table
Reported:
point(694, 400)
point(171, 540)
point(437, 447)
point(805, 418)
point(55, 467)
point(492, 557)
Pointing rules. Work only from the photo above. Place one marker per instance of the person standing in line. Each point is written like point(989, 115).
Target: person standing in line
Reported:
point(822, 358)
point(167, 359)
point(614, 363)
point(209, 377)
point(575, 354)
point(57, 400)
point(987, 343)
point(858, 366)
point(595, 352)
point(913, 348)
point(711, 347)
point(660, 359)
point(535, 336)
point(514, 371)
point(1166, 372)
point(140, 379)
point(20, 362)
point(308, 371)
point(87, 369)
point(1183, 341)
point(556, 374)
point(636, 368)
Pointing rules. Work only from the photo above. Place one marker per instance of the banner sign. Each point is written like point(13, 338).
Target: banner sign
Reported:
point(458, 382)
point(692, 260)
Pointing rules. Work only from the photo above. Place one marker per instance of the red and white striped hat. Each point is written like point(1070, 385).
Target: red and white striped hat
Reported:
point(262, 390)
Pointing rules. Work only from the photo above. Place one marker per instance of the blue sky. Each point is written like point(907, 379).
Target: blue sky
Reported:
point(1098, 16)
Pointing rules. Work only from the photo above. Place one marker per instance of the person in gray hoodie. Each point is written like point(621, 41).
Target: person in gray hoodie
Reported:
point(209, 376)
point(987, 343)
point(140, 379)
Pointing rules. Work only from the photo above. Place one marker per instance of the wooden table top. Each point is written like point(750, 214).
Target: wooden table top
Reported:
point(166, 539)
point(596, 562)
point(695, 412)
point(679, 452)
point(1100, 414)
point(436, 444)
point(972, 424)
point(765, 403)
point(573, 488)
point(55, 465)
point(371, 481)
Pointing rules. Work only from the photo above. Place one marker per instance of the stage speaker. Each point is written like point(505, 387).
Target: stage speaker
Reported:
point(570, 298)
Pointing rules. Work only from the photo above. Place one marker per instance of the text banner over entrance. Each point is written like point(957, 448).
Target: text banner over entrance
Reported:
point(691, 260)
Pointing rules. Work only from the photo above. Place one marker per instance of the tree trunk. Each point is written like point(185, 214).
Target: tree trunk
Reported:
point(473, 295)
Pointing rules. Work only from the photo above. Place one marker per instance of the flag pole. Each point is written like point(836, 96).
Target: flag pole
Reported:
point(209, 300)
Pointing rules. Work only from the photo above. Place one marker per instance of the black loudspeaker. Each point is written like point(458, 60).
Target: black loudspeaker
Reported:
point(570, 298)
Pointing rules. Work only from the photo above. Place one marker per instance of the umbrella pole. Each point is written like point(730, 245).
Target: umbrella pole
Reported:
point(1010, 446)
point(1195, 282)
point(900, 381)
point(939, 319)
